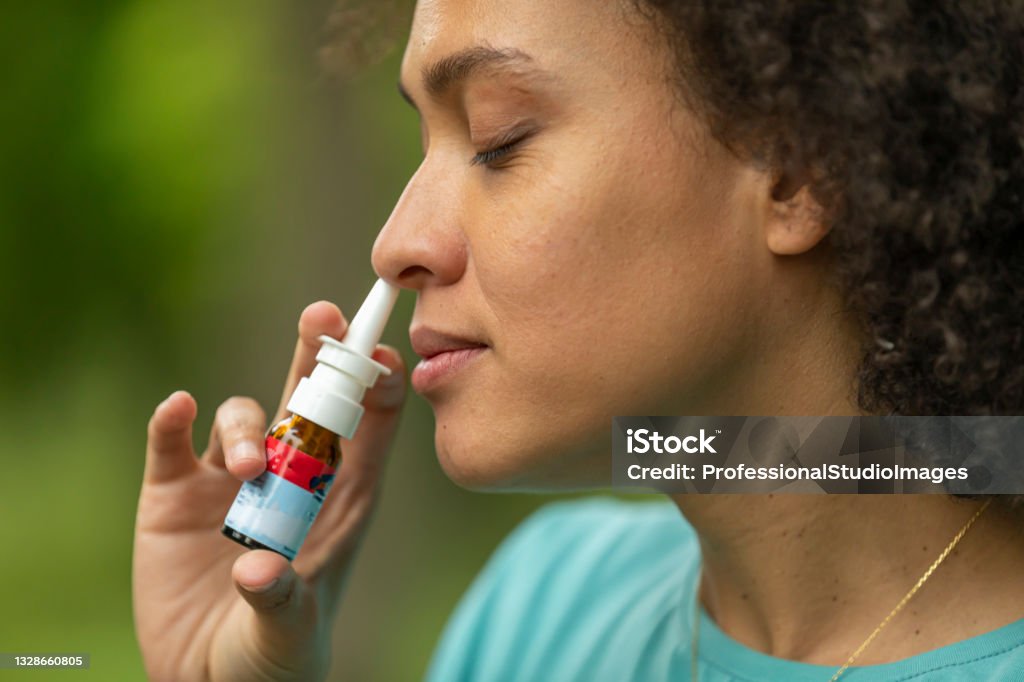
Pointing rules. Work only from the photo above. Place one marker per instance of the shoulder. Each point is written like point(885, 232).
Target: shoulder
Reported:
point(569, 570)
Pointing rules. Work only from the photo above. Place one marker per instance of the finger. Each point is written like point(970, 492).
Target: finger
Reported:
point(389, 392)
point(237, 437)
point(383, 403)
point(283, 605)
point(169, 453)
point(318, 318)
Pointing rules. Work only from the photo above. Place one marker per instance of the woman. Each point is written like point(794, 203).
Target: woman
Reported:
point(657, 207)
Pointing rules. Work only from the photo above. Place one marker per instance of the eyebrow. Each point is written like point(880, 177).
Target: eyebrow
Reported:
point(445, 73)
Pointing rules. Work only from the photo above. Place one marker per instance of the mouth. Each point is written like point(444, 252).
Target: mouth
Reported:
point(443, 356)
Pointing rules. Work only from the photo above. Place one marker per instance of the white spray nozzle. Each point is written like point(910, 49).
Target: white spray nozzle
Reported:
point(331, 395)
point(368, 324)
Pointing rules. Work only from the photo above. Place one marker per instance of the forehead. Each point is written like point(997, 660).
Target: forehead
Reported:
point(557, 34)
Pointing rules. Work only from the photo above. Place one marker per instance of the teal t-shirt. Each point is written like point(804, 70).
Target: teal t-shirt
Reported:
point(602, 590)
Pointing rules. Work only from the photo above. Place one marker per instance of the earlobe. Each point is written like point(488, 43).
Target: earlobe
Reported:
point(796, 221)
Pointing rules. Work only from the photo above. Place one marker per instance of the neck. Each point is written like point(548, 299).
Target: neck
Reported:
point(809, 577)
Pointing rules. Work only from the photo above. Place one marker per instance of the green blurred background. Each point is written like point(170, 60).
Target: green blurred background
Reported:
point(178, 180)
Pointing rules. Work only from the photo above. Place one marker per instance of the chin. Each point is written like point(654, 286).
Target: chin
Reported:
point(476, 467)
point(499, 464)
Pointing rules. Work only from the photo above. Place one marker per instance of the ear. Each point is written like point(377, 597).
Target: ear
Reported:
point(795, 221)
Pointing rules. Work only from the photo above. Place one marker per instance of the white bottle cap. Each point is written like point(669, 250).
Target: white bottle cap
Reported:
point(331, 395)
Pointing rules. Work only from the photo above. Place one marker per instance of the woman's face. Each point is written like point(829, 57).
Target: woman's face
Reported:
point(571, 218)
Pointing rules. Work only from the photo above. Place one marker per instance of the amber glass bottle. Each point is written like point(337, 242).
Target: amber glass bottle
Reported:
point(276, 509)
point(304, 435)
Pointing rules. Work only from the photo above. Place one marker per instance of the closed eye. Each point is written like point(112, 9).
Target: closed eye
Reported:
point(502, 147)
point(492, 155)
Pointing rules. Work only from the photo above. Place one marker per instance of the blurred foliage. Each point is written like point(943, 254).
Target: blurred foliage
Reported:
point(178, 179)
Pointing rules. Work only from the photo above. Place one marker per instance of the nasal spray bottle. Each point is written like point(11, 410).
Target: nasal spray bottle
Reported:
point(276, 509)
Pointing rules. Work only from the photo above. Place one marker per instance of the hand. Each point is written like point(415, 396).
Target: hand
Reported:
point(207, 608)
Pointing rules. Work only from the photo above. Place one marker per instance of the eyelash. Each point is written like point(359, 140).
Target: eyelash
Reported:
point(497, 153)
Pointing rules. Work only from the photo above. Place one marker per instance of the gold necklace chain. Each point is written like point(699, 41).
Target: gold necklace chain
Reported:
point(695, 637)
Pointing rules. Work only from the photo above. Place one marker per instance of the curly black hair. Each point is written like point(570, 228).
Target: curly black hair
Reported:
point(910, 115)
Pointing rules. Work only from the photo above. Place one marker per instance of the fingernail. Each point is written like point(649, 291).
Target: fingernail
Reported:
point(394, 379)
point(260, 589)
point(246, 450)
point(173, 394)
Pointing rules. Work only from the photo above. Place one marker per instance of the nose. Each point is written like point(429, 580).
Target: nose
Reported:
point(421, 244)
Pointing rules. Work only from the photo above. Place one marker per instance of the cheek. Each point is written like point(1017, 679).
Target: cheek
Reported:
point(558, 235)
point(602, 251)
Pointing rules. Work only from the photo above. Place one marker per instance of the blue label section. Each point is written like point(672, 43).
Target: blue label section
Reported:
point(274, 512)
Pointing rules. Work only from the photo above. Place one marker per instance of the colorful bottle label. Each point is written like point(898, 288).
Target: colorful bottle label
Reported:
point(277, 507)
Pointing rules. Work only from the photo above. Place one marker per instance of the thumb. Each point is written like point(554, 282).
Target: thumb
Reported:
point(284, 607)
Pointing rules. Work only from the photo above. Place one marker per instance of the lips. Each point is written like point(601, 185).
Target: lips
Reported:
point(444, 355)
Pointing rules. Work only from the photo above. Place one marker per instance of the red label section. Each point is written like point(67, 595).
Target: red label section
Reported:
point(296, 466)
